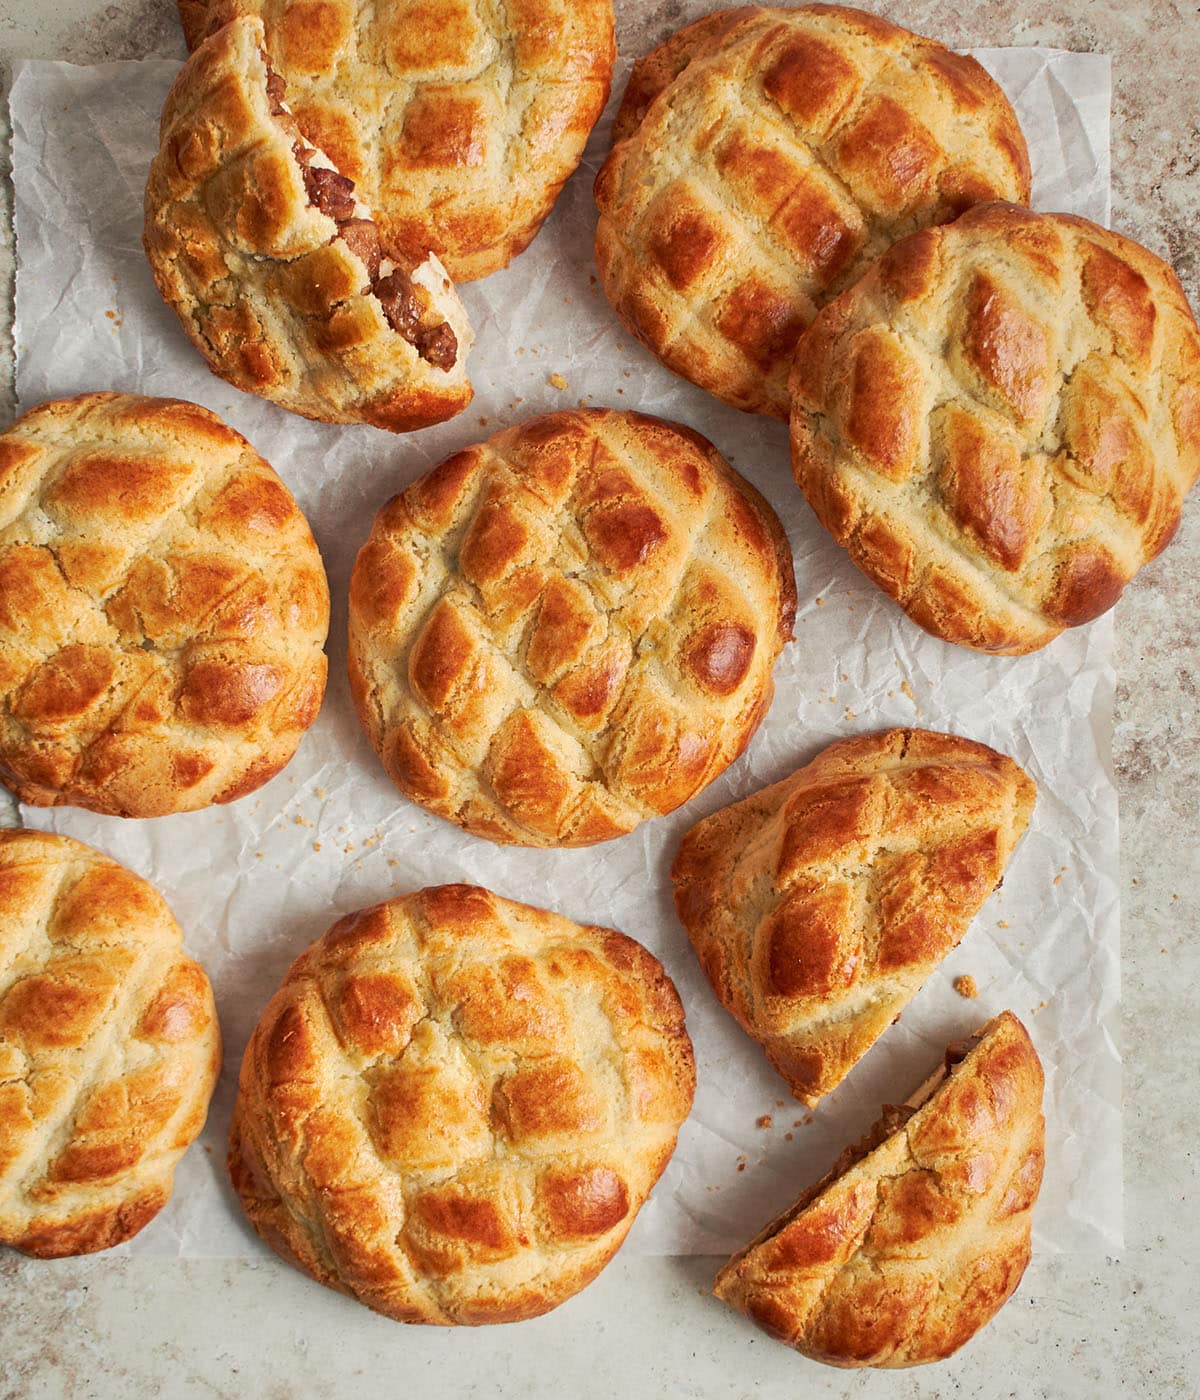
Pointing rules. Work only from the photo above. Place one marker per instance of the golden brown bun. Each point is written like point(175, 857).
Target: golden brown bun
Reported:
point(455, 1106)
point(163, 609)
point(1000, 422)
point(249, 247)
point(762, 159)
point(459, 121)
point(569, 627)
point(109, 1047)
point(902, 1257)
point(819, 905)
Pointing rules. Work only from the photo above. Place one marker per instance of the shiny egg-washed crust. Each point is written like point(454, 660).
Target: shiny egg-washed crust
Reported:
point(274, 299)
point(459, 120)
point(901, 1258)
point(109, 1047)
point(456, 1105)
point(163, 609)
point(762, 158)
point(818, 906)
point(1000, 422)
point(569, 627)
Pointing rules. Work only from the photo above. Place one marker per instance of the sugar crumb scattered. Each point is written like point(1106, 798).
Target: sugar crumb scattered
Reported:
point(316, 845)
point(787, 1137)
point(556, 381)
point(1001, 923)
point(319, 791)
point(765, 1121)
point(965, 987)
point(820, 602)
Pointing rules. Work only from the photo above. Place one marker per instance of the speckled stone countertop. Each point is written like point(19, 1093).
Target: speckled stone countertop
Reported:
point(1078, 1327)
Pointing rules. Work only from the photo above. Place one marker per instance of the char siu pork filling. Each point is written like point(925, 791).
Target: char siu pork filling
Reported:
point(405, 305)
point(891, 1120)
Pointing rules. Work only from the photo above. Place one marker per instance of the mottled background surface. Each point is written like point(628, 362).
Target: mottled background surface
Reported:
point(1078, 1328)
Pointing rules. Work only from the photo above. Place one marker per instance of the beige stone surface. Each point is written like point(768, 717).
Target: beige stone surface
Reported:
point(1078, 1327)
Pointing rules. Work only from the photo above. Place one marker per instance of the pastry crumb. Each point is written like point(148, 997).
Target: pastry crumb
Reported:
point(965, 987)
point(316, 845)
point(765, 1121)
point(820, 602)
point(556, 381)
point(1001, 923)
point(787, 1137)
point(320, 792)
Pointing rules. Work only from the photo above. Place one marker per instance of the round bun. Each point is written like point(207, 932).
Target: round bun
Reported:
point(920, 1234)
point(274, 266)
point(455, 1106)
point(1000, 422)
point(818, 906)
point(163, 609)
point(458, 121)
point(762, 158)
point(109, 1047)
point(569, 627)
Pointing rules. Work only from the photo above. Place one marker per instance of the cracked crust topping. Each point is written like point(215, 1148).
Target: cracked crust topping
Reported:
point(276, 268)
point(163, 609)
point(569, 627)
point(918, 1237)
point(456, 1105)
point(819, 906)
point(458, 120)
point(1000, 422)
point(762, 158)
point(109, 1047)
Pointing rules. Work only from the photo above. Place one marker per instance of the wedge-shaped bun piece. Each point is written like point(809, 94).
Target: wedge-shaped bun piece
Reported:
point(109, 1047)
point(455, 1106)
point(568, 628)
point(163, 609)
point(275, 268)
point(1000, 422)
point(458, 120)
point(819, 905)
point(762, 158)
point(920, 1234)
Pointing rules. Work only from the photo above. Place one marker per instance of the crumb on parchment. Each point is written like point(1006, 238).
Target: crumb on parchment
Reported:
point(765, 1121)
point(556, 381)
point(965, 986)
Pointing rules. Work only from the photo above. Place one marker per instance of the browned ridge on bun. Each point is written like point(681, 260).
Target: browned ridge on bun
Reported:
point(762, 158)
point(819, 906)
point(1000, 422)
point(455, 1106)
point(458, 120)
point(109, 1048)
point(275, 267)
point(568, 628)
point(163, 609)
point(919, 1235)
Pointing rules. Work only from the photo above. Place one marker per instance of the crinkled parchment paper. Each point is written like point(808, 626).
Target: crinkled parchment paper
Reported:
point(253, 883)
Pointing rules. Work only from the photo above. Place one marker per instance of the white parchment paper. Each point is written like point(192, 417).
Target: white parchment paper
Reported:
point(255, 882)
